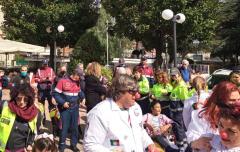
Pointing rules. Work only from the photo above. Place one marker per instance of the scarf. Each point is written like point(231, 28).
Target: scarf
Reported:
point(27, 113)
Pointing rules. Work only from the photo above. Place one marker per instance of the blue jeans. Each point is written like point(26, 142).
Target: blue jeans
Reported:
point(69, 118)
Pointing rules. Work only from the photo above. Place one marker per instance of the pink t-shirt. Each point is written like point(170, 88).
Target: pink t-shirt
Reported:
point(162, 120)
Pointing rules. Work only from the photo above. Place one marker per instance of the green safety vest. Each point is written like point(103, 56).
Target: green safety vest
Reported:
point(6, 123)
point(191, 92)
point(180, 92)
point(159, 89)
point(143, 85)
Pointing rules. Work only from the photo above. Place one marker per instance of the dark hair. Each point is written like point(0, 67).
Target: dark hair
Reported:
point(138, 69)
point(153, 103)
point(24, 89)
point(44, 144)
point(230, 112)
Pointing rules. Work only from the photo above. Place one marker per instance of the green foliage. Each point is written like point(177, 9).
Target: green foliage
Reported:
point(92, 45)
point(229, 31)
point(88, 49)
point(27, 20)
point(141, 20)
point(107, 73)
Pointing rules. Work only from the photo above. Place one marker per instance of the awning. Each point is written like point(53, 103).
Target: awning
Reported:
point(8, 46)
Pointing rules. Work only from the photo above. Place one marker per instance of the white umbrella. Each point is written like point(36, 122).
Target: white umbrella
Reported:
point(8, 46)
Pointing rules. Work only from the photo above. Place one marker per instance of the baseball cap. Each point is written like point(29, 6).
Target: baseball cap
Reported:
point(45, 61)
point(174, 71)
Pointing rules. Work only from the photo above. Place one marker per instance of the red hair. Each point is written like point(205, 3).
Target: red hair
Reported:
point(218, 99)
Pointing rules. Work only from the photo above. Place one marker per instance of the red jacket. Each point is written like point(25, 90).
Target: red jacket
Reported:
point(44, 74)
point(147, 71)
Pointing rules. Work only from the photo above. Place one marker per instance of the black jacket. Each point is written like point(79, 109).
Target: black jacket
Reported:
point(21, 135)
point(93, 91)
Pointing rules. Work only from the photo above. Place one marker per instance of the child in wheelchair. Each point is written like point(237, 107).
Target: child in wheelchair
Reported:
point(158, 126)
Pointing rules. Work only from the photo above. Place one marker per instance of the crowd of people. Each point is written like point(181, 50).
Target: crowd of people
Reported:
point(139, 110)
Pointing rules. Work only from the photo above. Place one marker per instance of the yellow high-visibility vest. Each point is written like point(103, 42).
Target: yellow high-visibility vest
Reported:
point(6, 123)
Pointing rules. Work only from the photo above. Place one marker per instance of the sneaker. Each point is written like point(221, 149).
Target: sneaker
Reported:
point(74, 148)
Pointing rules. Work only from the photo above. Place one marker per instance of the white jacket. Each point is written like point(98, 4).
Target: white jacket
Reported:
point(108, 128)
point(187, 110)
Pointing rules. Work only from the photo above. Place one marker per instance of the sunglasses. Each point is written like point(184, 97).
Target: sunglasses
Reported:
point(132, 92)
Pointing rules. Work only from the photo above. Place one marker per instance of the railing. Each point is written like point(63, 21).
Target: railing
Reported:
point(200, 68)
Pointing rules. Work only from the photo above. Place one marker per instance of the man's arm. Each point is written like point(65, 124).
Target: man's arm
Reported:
point(57, 93)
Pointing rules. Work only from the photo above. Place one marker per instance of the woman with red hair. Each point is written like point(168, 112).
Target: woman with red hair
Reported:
point(224, 94)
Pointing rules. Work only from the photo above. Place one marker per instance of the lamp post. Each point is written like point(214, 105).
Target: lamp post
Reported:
point(168, 14)
point(111, 23)
point(166, 51)
point(53, 53)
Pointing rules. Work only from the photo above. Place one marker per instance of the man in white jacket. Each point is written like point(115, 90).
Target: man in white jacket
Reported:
point(116, 123)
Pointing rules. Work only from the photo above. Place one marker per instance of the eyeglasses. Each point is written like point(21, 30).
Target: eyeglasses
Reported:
point(25, 99)
point(132, 92)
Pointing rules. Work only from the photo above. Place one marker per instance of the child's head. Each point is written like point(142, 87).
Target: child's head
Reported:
point(229, 126)
point(199, 84)
point(44, 143)
point(155, 108)
point(234, 77)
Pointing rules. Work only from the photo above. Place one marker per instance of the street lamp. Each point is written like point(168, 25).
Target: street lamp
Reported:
point(168, 14)
point(60, 29)
point(111, 23)
point(166, 51)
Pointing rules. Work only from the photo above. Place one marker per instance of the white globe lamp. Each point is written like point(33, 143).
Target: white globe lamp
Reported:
point(167, 14)
point(60, 28)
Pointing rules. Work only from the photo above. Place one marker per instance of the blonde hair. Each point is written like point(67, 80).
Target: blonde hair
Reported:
point(199, 84)
point(94, 68)
point(160, 73)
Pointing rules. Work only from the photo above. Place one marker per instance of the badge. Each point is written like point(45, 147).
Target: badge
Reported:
point(114, 142)
point(67, 85)
point(136, 112)
point(5, 121)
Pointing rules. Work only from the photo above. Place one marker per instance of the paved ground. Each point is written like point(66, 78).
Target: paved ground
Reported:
point(82, 121)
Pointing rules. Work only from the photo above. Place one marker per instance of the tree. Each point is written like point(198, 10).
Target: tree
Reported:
point(229, 32)
point(91, 46)
point(141, 20)
point(27, 20)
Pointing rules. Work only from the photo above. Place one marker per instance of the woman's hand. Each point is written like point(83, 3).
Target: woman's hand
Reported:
point(202, 143)
point(28, 149)
point(165, 128)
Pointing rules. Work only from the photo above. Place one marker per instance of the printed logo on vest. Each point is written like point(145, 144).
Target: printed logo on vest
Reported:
point(5, 121)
